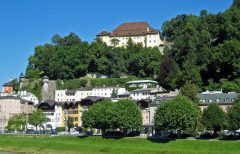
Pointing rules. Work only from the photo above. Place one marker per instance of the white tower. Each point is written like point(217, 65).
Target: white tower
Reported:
point(45, 94)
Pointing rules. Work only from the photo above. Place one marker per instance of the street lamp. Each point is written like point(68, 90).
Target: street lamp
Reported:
point(66, 117)
point(27, 107)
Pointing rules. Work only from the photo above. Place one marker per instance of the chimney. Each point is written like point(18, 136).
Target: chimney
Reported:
point(147, 29)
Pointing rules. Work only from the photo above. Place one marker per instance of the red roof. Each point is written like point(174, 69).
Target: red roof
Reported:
point(131, 29)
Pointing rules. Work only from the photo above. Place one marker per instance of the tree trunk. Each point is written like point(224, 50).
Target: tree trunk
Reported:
point(36, 128)
point(125, 132)
point(103, 132)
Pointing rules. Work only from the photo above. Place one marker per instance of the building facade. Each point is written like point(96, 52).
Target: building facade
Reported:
point(71, 110)
point(83, 92)
point(10, 105)
point(139, 32)
point(146, 93)
point(224, 100)
point(8, 88)
point(142, 84)
point(28, 96)
point(53, 113)
point(107, 91)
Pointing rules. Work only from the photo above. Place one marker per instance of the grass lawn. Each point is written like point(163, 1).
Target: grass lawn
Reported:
point(64, 144)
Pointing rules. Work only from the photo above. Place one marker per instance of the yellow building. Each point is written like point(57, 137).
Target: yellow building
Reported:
point(75, 109)
point(71, 110)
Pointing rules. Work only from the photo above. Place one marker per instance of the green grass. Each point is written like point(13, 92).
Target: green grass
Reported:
point(61, 145)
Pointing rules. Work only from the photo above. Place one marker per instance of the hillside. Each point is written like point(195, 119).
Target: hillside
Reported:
point(205, 51)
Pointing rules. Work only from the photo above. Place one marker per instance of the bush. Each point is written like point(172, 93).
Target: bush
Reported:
point(71, 84)
point(60, 129)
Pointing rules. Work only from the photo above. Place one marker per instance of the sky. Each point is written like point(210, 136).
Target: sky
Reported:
point(25, 24)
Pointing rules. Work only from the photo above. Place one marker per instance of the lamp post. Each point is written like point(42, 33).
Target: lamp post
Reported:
point(66, 120)
point(27, 107)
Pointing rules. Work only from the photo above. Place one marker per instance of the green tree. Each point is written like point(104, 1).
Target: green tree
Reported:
point(224, 61)
point(34, 87)
point(233, 116)
point(129, 116)
point(228, 86)
point(16, 122)
point(70, 123)
point(37, 118)
point(114, 93)
point(190, 90)
point(145, 63)
point(169, 73)
point(114, 42)
point(101, 116)
point(178, 114)
point(214, 118)
point(16, 85)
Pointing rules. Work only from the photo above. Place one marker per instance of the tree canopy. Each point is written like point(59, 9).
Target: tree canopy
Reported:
point(16, 122)
point(37, 118)
point(129, 116)
point(233, 116)
point(123, 115)
point(69, 57)
point(184, 117)
point(101, 115)
point(206, 49)
point(214, 118)
point(190, 90)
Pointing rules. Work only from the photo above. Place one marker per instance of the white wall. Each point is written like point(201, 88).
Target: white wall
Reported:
point(140, 95)
point(151, 40)
point(60, 95)
point(106, 91)
point(145, 116)
point(28, 96)
point(79, 95)
point(70, 97)
point(152, 113)
point(54, 117)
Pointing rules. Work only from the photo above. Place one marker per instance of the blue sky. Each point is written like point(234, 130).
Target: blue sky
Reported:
point(27, 23)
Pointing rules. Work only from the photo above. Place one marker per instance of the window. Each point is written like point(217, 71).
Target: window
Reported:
point(146, 117)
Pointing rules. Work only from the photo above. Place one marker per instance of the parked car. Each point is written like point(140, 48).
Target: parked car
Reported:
point(31, 131)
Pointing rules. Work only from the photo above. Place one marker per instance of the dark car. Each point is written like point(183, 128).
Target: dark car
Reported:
point(31, 131)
